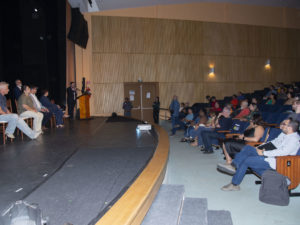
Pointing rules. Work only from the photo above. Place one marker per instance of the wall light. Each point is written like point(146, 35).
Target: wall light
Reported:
point(268, 64)
point(211, 70)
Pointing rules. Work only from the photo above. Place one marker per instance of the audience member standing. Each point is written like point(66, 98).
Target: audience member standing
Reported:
point(127, 106)
point(26, 109)
point(71, 99)
point(156, 107)
point(174, 108)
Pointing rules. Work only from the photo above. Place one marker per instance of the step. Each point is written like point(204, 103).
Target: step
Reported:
point(194, 212)
point(219, 217)
point(166, 207)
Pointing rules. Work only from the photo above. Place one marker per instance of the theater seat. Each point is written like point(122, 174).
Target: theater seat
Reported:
point(290, 166)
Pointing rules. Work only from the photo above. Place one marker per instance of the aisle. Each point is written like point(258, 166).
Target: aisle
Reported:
point(197, 172)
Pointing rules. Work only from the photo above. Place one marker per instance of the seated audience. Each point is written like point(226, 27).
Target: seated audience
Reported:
point(240, 96)
point(183, 122)
point(271, 91)
point(234, 101)
point(224, 122)
point(296, 114)
point(52, 108)
point(12, 119)
point(253, 133)
point(271, 100)
point(290, 98)
point(287, 143)
point(39, 107)
point(254, 100)
point(253, 110)
point(216, 107)
point(244, 110)
point(190, 132)
point(26, 109)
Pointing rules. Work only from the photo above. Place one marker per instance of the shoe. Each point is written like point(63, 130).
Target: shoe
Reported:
point(205, 151)
point(61, 126)
point(183, 140)
point(202, 148)
point(10, 135)
point(36, 135)
point(230, 187)
point(66, 116)
point(227, 168)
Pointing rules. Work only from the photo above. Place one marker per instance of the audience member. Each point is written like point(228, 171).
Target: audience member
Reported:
point(290, 98)
point(216, 107)
point(156, 108)
point(244, 110)
point(272, 99)
point(39, 107)
point(52, 108)
point(234, 101)
point(174, 109)
point(224, 122)
point(296, 114)
point(184, 122)
point(240, 96)
point(271, 91)
point(127, 106)
point(287, 143)
point(12, 119)
point(26, 109)
point(253, 133)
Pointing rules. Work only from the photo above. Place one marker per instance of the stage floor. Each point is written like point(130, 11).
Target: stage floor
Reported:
point(76, 173)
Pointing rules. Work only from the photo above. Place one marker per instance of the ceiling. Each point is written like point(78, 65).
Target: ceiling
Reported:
point(100, 5)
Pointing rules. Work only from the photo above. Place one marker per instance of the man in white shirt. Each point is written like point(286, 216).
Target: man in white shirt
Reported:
point(287, 143)
point(39, 107)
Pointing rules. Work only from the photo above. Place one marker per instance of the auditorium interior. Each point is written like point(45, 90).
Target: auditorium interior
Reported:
point(196, 76)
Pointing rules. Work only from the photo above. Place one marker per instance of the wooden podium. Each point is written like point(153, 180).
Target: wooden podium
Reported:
point(84, 106)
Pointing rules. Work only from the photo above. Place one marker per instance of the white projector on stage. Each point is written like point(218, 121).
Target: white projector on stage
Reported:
point(144, 126)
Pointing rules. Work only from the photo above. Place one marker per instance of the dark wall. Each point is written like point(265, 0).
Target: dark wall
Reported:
point(32, 44)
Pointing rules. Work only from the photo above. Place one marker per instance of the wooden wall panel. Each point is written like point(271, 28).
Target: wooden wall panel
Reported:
point(178, 54)
point(109, 98)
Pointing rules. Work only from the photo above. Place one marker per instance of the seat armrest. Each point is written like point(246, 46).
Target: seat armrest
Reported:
point(254, 144)
point(223, 131)
point(231, 135)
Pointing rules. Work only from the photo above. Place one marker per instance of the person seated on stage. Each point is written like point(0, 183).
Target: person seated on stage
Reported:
point(223, 122)
point(244, 110)
point(12, 119)
point(271, 100)
point(52, 108)
point(184, 122)
point(260, 160)
point(17, 91)
point(290, 98)
point(26, 109)
point(253, 133)
point(39, 107)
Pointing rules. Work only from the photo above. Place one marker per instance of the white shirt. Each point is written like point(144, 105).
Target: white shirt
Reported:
point(36, 102)
point(286, 144)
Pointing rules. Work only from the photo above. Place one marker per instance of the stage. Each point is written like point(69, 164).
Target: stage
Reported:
point(76, 173)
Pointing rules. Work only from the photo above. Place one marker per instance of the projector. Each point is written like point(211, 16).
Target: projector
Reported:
point(144, 126)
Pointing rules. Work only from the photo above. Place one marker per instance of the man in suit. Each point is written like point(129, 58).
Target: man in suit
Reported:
point(71, 99)
point(17, 89)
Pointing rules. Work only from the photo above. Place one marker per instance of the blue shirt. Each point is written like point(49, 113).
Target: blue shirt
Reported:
point(189, 116)
point(3, 103)
point(225, 123)
point(175, 106)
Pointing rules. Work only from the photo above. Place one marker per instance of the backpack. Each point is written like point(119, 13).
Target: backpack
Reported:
point(274, 188)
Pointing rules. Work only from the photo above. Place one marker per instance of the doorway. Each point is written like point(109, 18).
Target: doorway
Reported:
point(142, 95)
